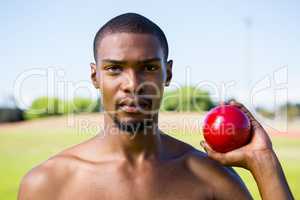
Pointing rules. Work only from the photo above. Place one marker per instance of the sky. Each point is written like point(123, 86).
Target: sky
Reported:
point(248, 48)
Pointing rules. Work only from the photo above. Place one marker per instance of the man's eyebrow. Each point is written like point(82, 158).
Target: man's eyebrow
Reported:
point(120, 62)
point(123, 62)
point(150, 60)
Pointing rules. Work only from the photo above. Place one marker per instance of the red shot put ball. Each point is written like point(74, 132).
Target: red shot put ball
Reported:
point(226, 128)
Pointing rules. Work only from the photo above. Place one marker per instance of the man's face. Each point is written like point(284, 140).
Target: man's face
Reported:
point(131, 73)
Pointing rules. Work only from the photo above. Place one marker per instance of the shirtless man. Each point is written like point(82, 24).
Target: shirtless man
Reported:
point(134, 159)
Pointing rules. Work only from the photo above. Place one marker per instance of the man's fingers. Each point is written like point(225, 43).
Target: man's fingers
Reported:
point(241, 106)
point(231, 158)
point(213, 154)
point(253, 121)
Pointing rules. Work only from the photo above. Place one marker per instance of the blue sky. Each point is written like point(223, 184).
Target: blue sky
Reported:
point(208, 40)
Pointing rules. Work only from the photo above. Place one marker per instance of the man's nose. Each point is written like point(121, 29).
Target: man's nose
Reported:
point(133, 83)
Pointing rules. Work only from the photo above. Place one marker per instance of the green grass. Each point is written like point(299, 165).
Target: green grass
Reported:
point(20, 151)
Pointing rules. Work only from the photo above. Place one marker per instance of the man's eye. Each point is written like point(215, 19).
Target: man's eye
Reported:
point(114, 69)
point(150, 67)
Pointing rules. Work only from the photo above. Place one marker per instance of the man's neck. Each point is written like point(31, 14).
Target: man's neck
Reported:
point(134, 147)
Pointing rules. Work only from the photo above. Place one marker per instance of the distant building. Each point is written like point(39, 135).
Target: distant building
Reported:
point(9, 111)
point(11, 115)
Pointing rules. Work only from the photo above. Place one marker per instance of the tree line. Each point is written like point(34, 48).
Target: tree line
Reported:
point(184, 99)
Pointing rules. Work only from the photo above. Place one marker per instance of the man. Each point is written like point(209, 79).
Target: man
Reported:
point(134, 159)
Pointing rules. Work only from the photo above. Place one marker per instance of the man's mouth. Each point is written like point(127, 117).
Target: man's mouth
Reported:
point(134, 106)
point(130, 109)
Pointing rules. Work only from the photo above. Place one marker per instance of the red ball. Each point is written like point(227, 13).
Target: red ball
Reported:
point(226, 128)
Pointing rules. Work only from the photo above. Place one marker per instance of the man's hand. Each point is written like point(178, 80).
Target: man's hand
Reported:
point(241, 157)
point(258, 157)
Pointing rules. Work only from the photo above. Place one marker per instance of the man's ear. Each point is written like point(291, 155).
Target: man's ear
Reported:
point(169, 72)
point(94, 77)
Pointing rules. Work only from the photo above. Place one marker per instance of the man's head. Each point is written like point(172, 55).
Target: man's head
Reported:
point(131, 70)
point(131, 23)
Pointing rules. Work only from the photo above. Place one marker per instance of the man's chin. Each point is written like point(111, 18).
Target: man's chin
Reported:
point(132, 125)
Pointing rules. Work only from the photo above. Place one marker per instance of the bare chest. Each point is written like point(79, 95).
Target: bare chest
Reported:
point(171, 183)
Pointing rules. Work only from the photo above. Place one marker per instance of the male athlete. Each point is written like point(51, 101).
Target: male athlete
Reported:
point(132, 158)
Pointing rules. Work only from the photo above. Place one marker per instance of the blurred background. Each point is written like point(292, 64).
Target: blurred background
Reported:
point(243, 50)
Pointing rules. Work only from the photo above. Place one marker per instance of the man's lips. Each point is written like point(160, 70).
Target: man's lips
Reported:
point(130, 109)
point(131, 105)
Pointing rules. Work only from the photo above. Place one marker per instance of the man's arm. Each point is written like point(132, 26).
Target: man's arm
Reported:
point(269, 176)
point(259, 158)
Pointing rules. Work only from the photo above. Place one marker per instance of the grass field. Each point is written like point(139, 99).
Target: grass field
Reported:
point(23, 147)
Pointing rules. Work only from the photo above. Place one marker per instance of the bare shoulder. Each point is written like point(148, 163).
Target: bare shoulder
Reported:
point(46, 180)
point(224, 181)
point(175, 147)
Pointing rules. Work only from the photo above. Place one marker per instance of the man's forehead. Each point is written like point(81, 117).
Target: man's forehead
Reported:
point(129, 46)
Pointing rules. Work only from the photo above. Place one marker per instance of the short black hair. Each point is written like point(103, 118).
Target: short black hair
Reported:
point(131, 23)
